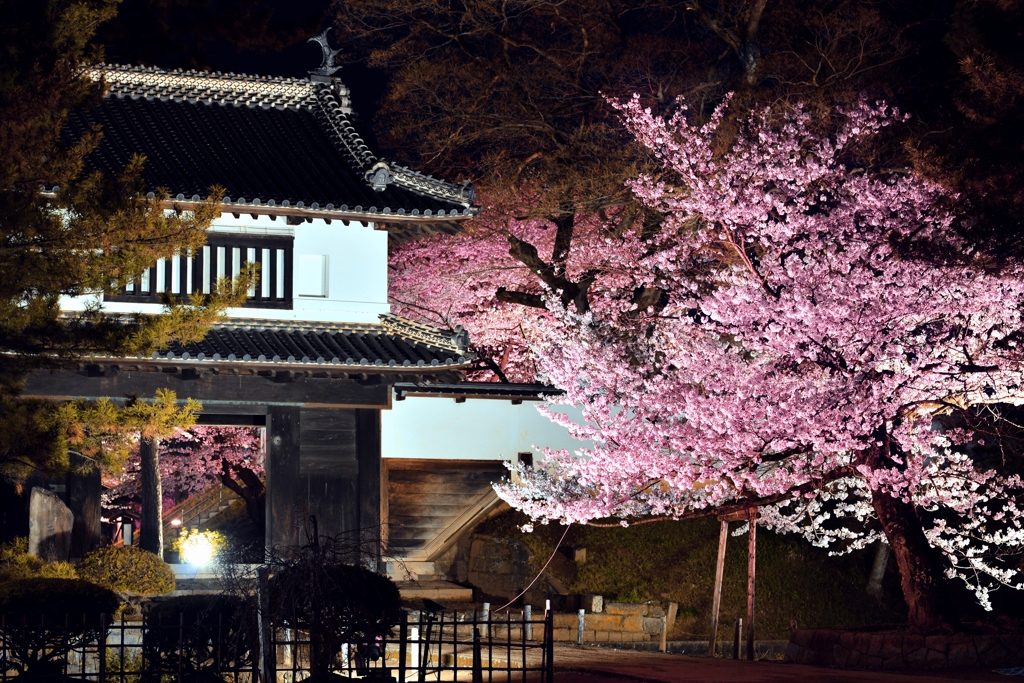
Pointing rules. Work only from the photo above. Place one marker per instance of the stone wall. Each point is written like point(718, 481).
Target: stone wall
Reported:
point(616, 623)
point(889, 650)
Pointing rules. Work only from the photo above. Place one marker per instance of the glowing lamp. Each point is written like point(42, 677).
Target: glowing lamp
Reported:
point(175, 522)
point(197, 550)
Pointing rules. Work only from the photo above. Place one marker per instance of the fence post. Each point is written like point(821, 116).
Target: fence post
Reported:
point(102, 650)
point(478, 665)
point(527, 616)
point(737, 630)
point(579, 627)
point(266, 665)
point(403, 636)
point(549, 646)
point(663, 645)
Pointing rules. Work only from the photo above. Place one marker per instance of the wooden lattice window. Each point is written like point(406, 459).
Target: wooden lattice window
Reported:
point(223, 256)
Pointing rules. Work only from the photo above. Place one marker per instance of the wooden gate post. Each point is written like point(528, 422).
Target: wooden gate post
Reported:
point(716, 602)
point(751, 565)
point(265, 627)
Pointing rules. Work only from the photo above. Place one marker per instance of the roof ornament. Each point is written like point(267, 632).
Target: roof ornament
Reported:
point(327, 67)
point(379, 176)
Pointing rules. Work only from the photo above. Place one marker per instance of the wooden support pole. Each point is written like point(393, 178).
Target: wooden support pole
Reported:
point(751, 565)
point(716, 602)
point(152, 527)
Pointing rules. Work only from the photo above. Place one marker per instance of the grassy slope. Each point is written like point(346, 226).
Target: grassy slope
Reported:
point(675, 561)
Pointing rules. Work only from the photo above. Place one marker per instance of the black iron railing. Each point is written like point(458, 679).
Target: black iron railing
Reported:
point(423, 647)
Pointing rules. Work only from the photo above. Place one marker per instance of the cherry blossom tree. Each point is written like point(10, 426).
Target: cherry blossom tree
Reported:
point(822, 339)
point(194, 459)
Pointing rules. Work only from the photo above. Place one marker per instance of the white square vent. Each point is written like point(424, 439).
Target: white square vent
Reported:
point(311, 275)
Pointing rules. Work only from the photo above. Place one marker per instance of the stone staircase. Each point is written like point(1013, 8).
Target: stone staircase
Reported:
point(197, 511)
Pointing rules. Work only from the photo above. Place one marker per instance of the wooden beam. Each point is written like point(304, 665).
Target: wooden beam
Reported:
point(751, 566)
point(286, 502)
point(716, 602)
point(368, 442)
point(239, 390)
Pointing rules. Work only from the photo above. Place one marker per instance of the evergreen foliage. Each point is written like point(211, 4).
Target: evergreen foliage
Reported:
point(127, 569)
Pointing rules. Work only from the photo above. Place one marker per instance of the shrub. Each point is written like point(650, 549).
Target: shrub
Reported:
point(46, 618)
point(16, 563)
point(127, 569)
point(211, 633)
point(335, 603)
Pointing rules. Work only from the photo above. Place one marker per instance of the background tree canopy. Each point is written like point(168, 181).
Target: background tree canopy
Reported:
point(64, 232)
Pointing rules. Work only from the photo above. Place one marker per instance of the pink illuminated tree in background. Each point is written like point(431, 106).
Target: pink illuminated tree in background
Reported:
point(197, 458)
point(818, 344)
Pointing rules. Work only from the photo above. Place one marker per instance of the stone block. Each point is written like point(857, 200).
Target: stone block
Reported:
point(869, 662)
point(892, 645)
point(602, 636)
point(589, 636)
point(809, 656)
point(916, 659)
point(846, 640)
point(652, 625)
point(633, 623)
point(653, 610)
point(592, 603)
point(894, 663)
point(912, 643)
point(794, 653)
point(603, 622)
point(567, 620)
point(615, 636)
point(564, 634)
point(624, 609)
point(841, 655)
point(50, 522)
point(862, 642)
point(875, 645)
point(962, 654)
point(995, 651)
point(935, 642)
point(935, 659)
point(800, 637)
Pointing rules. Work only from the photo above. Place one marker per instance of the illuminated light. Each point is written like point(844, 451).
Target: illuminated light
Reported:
point(198, 548)
point(175, 522)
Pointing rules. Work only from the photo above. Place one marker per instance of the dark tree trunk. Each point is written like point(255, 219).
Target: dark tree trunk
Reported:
point(249, 488)
point(152, 527)
point(920, 565)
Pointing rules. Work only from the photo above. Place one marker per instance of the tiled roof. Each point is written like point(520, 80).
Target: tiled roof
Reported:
point(281, 143)
point(394, 343)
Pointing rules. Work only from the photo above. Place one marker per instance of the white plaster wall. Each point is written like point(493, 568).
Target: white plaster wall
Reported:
point(357, 287)
point(479, 429)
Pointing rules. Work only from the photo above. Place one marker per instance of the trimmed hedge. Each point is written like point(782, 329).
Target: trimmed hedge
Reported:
point(59, 615)
point(335, 604)
point(127, 569)
point(211, 632)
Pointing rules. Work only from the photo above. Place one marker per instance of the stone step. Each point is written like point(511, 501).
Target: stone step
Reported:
point(434, 590)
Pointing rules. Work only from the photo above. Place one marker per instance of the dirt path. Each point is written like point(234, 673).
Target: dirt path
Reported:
point(597, 665)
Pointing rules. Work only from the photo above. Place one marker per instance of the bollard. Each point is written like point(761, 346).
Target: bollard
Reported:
point(414, 650)
point(579, 627)
point(737, 630)
point(486, 618)
point(663, 645)
point(527, 624)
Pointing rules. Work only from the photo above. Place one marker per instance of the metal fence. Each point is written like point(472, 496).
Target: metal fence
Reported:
point(439, 646)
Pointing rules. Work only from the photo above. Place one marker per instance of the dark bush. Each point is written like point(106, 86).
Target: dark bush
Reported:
point(46, 618)
point(208, 633)
point(127, 569)
point(335, 604)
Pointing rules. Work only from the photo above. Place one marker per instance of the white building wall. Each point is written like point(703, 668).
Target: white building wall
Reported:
point(356, 282)
point(479, 429)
